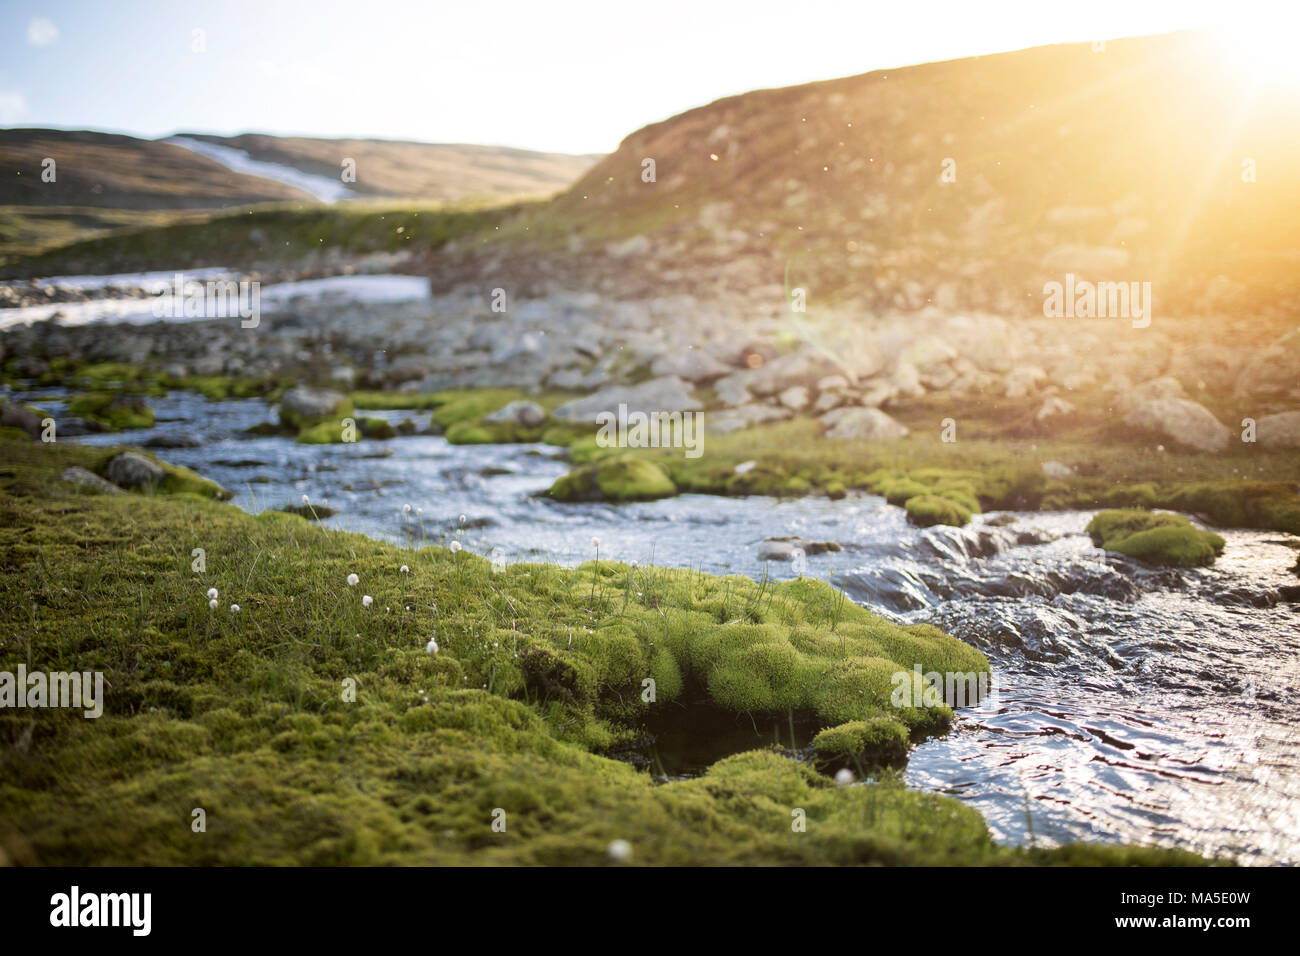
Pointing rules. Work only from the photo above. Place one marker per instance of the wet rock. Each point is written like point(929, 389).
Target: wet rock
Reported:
point(862, 424)
point(523, 413)
point(129, 470)
point(1182, 421)
point(88, 479)
point(172, 441)
point(303, 403)
point(16, 416)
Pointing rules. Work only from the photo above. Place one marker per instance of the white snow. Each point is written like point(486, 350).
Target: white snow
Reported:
point(322, 187)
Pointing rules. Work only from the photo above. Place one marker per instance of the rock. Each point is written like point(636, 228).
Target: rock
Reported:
point(832, 383)
point(88, 479)
point(16, 416)
point(1058, 470)
point(828, 400)
point(734, 419)
point(907, 380)
point(1053, 407)
point(523, 413)
point(1279, 431)
point(302, 404)
point(1022, 380)
point(172, 441)
point(928, 351)
point(804, 367)
point(865, 424)
point(877, 392)
point(732, 390)
point(694, 365)
point(794, 398)
point(667, 394)
point(129, 470)
point(1182, 421)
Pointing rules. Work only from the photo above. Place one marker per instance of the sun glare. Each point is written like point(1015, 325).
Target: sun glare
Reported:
point(1266, 52)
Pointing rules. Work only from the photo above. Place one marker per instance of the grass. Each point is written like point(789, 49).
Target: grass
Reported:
point(313, 730)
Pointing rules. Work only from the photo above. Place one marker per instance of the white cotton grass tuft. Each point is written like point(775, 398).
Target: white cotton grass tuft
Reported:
point(843, 777)
point(353, 580)
point(213, 604)
point(595, 543)
point(405, 569)
point(212, 594)
point(431, 647)
point(367, 600)
point(620, 851)
point(462, 519)
point(455, 546)
point(306, 500)
point(234, 609)
point(632, 564)
point(406, 509)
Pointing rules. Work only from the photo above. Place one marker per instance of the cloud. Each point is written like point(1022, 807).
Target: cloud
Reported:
point(42, 32)
point(12, 107)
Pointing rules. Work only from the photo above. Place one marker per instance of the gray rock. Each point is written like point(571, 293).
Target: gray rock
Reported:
point(794, 398)
point(733, 389)
point(862, 424)
point(694, 365)
point(667, 394)
point(304, 403)
point(1279, 431)
point(1057, 469)
point(1053, 407)
point(1182, 421)
point(524, 413)
point(16, 416)
point(734, 419)
point(88, 479)
point(129, 470)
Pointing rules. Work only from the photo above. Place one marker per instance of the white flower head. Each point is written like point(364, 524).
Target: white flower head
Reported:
point(419, 511)
point(431, 647)
point(367, 600)
point(212, 593)
point(353, 580)
point(462, 519)
point(405, 569)
point(234, 609)
point(455, 546)
point(595, 543)
point(406, 509)
point(632, 563)
point(305, 500)
point(620, 851)
point(843, 777)
point(213, 604)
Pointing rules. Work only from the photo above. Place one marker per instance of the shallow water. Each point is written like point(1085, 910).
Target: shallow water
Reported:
point(1129, 704)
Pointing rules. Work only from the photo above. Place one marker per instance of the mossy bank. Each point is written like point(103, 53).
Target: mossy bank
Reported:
point(313, 726)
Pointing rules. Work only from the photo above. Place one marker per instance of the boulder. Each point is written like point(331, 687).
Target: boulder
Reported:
point(130, 470)
point(77, 475)
point(667, 394)
point(734, 419)
point(1182, 421)
point(1058, 470)
point(864, 424)
point(524, 413)
point(693, 365)
point(1279, 431)
point(794, 398)
point(303, 404)
point(16, 416)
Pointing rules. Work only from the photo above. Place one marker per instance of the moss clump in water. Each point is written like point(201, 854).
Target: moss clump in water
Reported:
point(1165, 539)
point(927, 510)
point(112, 411)
point(878, 741)
point(626, 478)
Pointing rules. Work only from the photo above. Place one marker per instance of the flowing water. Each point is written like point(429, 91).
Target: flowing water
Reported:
point(1129, 704)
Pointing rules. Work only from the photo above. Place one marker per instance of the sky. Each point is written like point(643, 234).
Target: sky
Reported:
point(557, 75)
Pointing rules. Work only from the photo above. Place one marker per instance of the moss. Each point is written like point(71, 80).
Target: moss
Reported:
point(1166, 539)
point(292, 422)
point(179, 480)
point(248, 716)
point(322, 433)
point(878, 741)
point(377, 428)
point(625, 478)
point(927, 510)
point(112, 411)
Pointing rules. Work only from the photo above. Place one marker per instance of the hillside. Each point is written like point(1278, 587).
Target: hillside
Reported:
point(1125, 164)
point(108, 170)
point(435, 171)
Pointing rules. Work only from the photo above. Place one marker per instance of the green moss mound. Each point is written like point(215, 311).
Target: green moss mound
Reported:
point(927, 510)
point(1165, 539)
point(879, 741)
point(626, 478)
point(112, 411)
